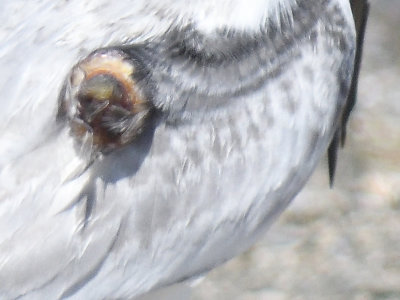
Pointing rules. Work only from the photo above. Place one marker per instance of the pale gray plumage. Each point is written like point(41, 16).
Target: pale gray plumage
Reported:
point(244, 105)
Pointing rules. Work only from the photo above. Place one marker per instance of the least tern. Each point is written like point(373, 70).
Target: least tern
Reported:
point(144, 142)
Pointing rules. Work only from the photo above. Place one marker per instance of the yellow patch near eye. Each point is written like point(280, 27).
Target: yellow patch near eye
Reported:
point(105, 99)
point(115, 65)
point(100, 92)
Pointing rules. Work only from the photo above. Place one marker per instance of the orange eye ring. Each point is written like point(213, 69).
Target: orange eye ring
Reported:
point(114, 65)
point(103, 101)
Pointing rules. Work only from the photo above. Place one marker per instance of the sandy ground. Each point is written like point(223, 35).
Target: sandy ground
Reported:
point(342, 243)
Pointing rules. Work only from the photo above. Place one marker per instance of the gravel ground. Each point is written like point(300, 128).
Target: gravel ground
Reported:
point(342, 243)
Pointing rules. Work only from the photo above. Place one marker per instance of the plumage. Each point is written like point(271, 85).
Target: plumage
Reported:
point(246, 97)
point(360, 11)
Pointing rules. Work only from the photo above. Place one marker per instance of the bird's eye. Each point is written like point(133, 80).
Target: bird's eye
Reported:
point(103, 102)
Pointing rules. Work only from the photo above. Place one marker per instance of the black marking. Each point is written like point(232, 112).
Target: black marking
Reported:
point(197, 74)
point(360, 9)
point(332, 157)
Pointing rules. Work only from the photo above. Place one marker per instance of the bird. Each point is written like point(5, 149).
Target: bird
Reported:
point(144, 143)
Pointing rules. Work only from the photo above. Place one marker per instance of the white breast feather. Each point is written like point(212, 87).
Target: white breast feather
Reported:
point(43, 249)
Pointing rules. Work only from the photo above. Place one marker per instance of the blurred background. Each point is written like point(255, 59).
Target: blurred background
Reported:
point(340, 243)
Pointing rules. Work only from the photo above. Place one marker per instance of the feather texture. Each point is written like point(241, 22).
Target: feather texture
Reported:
point(246, 105)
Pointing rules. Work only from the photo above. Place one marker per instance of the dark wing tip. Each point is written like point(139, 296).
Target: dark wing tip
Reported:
point(360, 9)
point(332, 157)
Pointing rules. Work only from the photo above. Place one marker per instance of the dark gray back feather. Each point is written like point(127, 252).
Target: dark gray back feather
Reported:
point(360, 9)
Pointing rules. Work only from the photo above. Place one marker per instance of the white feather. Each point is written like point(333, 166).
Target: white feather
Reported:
point(178, 215)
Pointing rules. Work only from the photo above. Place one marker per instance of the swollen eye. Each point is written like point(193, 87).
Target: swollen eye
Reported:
point(104, 87)
point(103, 102)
